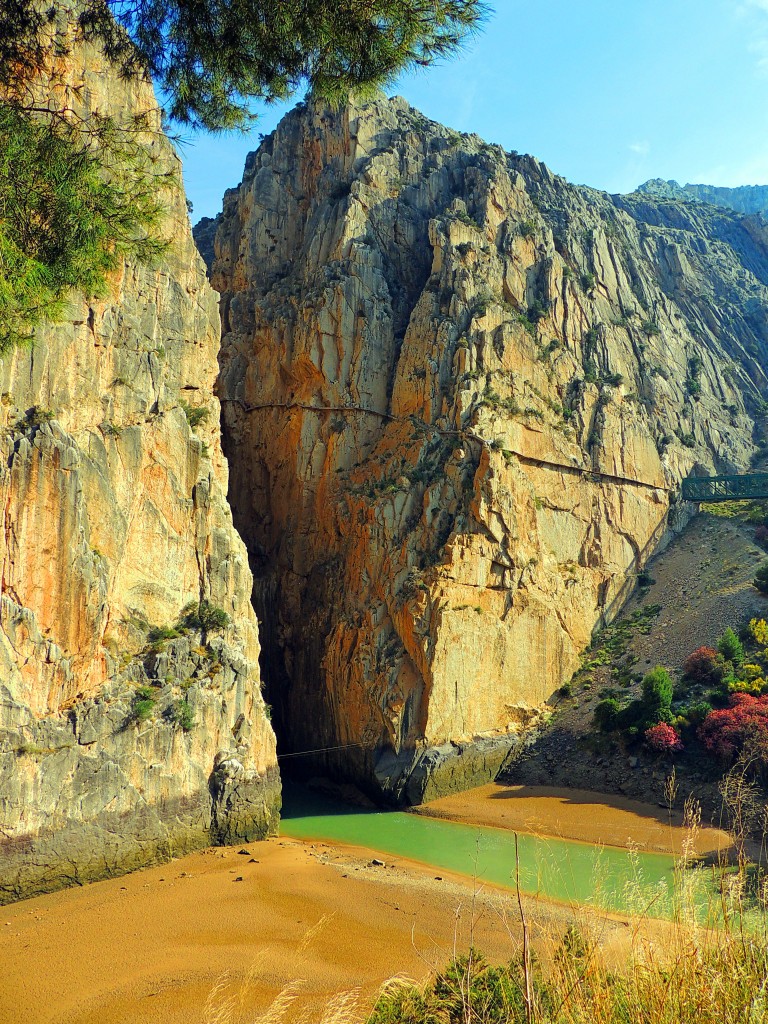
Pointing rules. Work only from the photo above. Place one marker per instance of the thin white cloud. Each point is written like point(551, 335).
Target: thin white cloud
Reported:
point(642, 148)
point(760, 48)
point(755, 11)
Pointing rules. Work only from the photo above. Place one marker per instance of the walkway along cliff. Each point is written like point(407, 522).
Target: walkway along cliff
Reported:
point(458, 397)
point(121, 570)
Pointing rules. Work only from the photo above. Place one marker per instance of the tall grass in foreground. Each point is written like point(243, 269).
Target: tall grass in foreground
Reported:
point(686, 978)
point(706, 967)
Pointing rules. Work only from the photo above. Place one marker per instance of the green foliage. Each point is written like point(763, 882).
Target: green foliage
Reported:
point(607, 714)
point(731, 647)
point(71, 208)
point(468, 990)
point(143, 704)
point(650, 328)
point(588, 281)
point(158, 635)
point(758, 630)
point(761, 578)
point(690, 975)
point(78, 194)
point(693, 378)
point(464, 218)
point(211, 61)
point(196, 414)
point(657, 697)
point(34, 417)
point(205, 617)
point(537, 310)
point(181, 714)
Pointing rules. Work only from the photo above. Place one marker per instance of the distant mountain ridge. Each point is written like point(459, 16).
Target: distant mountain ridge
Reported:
point(748, 199)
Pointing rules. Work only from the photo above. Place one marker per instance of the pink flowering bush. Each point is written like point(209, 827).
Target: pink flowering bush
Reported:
point(744, 723)
point(663, 738)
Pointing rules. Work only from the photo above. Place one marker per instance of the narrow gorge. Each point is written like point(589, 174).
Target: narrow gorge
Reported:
point(454, 400)
point(459, 395)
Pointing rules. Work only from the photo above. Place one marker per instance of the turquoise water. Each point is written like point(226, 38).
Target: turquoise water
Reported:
point(570, 872)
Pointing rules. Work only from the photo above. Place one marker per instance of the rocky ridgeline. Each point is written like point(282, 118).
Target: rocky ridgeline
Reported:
point(748, 199)
point(114, 519)
point(459, 395)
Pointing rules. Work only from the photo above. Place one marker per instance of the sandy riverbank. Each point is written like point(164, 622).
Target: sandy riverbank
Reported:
point(149, 948)
point(578, 815)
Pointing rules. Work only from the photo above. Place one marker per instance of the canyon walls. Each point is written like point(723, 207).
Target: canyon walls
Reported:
point(132, 725)
point(458, 397)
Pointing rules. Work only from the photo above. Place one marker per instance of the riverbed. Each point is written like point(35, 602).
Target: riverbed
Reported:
point(150, 947)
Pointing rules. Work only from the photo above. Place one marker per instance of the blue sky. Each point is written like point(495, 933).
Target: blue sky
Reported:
point(607, 93)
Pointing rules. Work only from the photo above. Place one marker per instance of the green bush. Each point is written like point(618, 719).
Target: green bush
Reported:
point(158, 635)
point(730, 646)
point(650, 328)
point(607, 713)
point(537, 310)
point(469, 990)
point(761, 578)
point(196, 414)
point(657, 697)
point(181, 714)
point(143, 704)
point(71, 211)
point(205, 617)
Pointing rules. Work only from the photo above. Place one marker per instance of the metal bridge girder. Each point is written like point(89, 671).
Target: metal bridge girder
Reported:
point(734, 487)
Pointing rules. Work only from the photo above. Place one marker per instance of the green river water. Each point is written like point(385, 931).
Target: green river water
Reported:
point(571, 872)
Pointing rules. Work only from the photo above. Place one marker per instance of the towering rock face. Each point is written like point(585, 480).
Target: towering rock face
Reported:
point(115, 525)
point(458, 396)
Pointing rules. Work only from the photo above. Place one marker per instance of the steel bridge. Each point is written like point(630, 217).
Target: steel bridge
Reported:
point(740, 487)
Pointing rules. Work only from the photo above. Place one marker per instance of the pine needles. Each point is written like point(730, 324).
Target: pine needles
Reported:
point(73, 205)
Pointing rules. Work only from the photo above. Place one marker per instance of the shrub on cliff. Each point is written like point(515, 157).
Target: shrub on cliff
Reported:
point(761, 578)
point(663, 739)
point(701, 667)
point(72, 209)
point(731, 647)
point(657, 697)
point(741, 727)
point(205, 617)
point(143, 704)
point(180, 713)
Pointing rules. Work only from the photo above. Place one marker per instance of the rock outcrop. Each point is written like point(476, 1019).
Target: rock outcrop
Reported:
point(459, 395)
point(121, 569)
point(743, 199)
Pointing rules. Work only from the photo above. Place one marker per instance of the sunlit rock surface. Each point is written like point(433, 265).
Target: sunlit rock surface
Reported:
point(113, 519)
point(459, 394)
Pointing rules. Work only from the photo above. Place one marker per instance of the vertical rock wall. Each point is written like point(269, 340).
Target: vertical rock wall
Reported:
point(113, 521)
point(458, 396)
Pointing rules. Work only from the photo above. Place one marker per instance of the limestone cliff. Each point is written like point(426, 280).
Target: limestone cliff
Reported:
point(114, 529)
point(458, 396)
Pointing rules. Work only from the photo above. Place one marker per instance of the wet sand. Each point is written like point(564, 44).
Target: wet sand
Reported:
point(148, 948)
point(578, 815)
